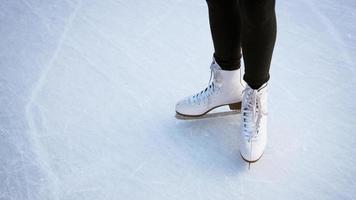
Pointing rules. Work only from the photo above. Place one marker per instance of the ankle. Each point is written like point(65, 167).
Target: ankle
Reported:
point(228, 65)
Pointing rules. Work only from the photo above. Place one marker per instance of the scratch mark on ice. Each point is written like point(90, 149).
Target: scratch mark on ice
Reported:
point(42, 157)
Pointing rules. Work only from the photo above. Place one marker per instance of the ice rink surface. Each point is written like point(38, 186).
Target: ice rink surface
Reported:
point(87, 95)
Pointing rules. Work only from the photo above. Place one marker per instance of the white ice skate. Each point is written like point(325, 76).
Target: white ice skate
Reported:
point(253, 135)
point(224, 88)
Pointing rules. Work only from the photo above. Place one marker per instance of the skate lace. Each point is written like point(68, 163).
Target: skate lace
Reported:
point(251, 114)
point(214, 84)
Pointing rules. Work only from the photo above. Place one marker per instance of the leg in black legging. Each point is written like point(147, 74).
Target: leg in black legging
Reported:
point(225, 25)
point(258, 38)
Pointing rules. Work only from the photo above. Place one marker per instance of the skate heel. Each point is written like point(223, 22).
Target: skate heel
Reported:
point(235, 106)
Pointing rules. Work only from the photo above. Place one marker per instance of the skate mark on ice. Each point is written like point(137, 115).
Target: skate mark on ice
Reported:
point(35, 12)
point(31, 116)
point(332, 30)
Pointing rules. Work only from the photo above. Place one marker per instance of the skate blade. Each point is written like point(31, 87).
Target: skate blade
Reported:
point(235, 108)
point(250, 161)
point(207, 116)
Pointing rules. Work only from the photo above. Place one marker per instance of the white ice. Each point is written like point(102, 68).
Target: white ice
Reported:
point(87, 95)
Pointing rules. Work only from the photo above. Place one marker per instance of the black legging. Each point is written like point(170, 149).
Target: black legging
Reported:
point(249, 25)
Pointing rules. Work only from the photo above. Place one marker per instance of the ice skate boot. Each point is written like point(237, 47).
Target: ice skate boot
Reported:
point(224, 88)
point(253, 135)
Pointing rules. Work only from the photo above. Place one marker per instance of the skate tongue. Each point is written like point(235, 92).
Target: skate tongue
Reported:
point(252, 113)
point(215, 71)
